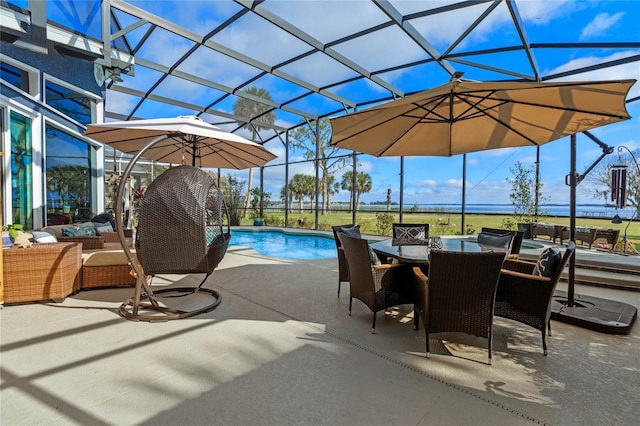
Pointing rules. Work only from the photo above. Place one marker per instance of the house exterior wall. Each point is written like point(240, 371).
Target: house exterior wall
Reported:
point(29, 100)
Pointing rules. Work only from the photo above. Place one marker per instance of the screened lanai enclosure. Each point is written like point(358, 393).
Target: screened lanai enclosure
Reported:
point(275, 72)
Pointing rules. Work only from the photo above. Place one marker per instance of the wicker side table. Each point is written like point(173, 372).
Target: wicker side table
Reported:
point(42, 272)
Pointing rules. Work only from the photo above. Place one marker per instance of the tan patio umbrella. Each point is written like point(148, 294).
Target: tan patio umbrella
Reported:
point(188, 140)
point(461, 117)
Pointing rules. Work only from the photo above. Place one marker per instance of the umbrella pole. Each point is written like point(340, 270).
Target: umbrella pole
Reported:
point(464, 193)
point(606, 316)
point(141, 280)
point(401, 187)
point(572, 222)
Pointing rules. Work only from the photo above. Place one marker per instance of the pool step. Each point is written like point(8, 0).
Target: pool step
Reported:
point(601, 271)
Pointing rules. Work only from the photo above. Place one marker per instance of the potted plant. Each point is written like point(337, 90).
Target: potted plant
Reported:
point(259, 201)
point(10, 233)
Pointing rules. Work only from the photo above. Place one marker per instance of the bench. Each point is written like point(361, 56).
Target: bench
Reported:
point(590, 235)
point(550, 230)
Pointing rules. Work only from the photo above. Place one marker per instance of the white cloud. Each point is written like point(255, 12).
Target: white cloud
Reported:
point(600, 24)
point(542, 12)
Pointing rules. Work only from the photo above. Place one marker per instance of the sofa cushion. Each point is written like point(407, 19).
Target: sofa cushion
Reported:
point(56, 230)
point(111, 255)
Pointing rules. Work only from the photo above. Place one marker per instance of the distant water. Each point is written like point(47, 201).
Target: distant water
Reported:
point(582, 210)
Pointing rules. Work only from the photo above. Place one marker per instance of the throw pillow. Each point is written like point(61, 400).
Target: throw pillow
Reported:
point(352, 231)
point(103, 227)
point(79, 231)
point(548, 262)
point(106, 217)
point(43, 237)
point(496, 240)
point(409, 232)
point(373, 257)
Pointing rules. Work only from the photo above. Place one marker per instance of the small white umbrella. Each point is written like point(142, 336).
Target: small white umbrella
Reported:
point(188, 140)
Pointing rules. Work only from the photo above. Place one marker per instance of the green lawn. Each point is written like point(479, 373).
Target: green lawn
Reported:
point(439, 223)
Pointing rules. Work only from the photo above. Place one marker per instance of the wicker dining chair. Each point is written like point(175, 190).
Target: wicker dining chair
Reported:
point(343, 271)
point(459, 293)
point(526, 297)
point(379, 286)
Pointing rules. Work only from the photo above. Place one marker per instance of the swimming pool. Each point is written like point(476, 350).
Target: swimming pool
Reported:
point(285, 245)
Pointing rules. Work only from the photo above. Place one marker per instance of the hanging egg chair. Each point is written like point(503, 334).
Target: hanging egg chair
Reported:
point(183, 228)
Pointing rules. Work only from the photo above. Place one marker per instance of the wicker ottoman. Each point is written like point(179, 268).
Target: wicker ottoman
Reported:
point(107, 267)
point(41, 272)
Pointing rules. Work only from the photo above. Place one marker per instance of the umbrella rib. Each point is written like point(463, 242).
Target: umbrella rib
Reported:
point(243, 154)
point(421, 118)
point(505, 125)
point(560, 108)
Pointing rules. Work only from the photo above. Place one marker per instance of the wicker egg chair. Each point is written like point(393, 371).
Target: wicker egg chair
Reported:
point(183, 228)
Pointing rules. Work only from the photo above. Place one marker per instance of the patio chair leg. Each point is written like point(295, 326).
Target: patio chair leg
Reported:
point(427, 336)
point(350, 303)
point(544, 344)
point(373, 326)
point(489, 350)
point(338, 288)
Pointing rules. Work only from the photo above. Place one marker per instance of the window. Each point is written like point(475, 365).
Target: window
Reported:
point(68, 171)
point(15, 76)
point(21, 171)
point(69, 102)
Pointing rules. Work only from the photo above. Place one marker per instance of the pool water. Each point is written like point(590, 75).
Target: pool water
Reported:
point(287, 246)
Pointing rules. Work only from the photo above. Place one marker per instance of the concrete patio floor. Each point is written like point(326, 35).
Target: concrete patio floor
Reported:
point(282, 349)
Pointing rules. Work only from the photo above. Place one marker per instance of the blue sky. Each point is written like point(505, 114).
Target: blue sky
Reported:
point(427, 180)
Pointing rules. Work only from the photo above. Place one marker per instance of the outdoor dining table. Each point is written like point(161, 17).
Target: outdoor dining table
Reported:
point(418, 252)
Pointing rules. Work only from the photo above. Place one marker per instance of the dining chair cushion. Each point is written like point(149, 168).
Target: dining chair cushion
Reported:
point(548, 262)
point(495, 240)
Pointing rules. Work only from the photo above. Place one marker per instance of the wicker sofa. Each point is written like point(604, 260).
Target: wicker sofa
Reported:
point(104, 263)
point(41, 272)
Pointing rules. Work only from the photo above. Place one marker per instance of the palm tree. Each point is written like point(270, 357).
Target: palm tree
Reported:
point(260, 115)
point(363, 185)
point(301, 186)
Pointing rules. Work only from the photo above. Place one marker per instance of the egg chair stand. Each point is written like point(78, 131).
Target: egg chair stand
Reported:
point(183, 228)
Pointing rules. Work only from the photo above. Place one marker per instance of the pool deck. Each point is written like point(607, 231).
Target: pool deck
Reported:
point(281, 349)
